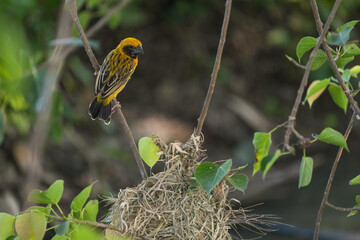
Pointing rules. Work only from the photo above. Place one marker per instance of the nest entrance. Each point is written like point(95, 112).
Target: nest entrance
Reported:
point(161, 207)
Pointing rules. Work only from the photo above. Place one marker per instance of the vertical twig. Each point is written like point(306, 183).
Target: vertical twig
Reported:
point(330, 180)
point(215, 69)
point(73, 11)
point(305, 78)
point(40, 130)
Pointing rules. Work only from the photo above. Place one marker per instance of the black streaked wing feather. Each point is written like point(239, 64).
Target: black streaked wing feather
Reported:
point(103, 74)
point(107, 85)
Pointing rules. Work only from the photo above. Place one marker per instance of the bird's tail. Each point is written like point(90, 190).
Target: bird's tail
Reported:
point(97, 109)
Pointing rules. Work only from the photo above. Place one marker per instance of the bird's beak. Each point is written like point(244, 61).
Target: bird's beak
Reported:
point(138, 50)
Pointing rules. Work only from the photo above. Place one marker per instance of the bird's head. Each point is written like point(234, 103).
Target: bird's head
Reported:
point(131, 47)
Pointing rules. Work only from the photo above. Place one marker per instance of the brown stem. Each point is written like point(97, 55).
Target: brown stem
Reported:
point(73, 11)
point(215, 69)
point(332, 62)
point(341, 208)
point(133, 147)
point(86, 222)
point(74, 14)
point(305, 78)
point(330, 180)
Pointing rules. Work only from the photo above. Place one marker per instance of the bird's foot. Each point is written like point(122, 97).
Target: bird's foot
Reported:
point(117, 105)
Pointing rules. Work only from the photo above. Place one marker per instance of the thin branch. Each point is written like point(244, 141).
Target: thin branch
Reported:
point(305, 78)
point(74, 14)
point(73, 11)
point(332, 60)
point(133, 147)
point(215, 69)
point(341, 208)
point(99, 24)
point(330, 180)
point(85, 222)
point(296, 63)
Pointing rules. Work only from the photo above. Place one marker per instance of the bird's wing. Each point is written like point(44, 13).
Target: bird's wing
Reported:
point(109, 80)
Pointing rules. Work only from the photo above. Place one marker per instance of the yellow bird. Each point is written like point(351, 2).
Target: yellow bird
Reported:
point(113, 76)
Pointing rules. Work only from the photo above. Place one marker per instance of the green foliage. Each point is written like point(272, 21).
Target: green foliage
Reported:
point(51, 196)
point(149, 151)
point(31, 225)
point(304, 45)
point(91, 210)
point(209, 174)
point(342, 34)
point(315, 89)
point(7, 225)
point(355, 180)
point(338, 96)
point(62, 228)
point(306, 169)
point(79, 201)
point(332, 136)
point(268, 161)
point(239, 181)
point(353, 212)
point(261, 142)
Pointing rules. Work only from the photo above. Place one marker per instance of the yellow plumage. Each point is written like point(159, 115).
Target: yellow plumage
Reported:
point(113, 76)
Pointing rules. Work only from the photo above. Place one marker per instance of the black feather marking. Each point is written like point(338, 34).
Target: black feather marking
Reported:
point(94, 108)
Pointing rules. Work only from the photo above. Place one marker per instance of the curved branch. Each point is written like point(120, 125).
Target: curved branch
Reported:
point(73, 11)
point(215, 69)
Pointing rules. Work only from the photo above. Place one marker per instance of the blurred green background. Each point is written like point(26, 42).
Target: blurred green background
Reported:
point(165, 96)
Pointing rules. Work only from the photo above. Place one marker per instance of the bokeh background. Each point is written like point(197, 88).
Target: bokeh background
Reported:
point(255, 91)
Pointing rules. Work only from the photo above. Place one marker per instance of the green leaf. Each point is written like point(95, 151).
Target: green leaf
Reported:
point(31, 226)
point(57, 237)
point(46, 210)
point(148, 151)
point(6, 225)
point(355, 70)
point(357, 199)
point(304, 45)
point(79, 201)
point(342, 61)
point(338, 96)
point(268, 161)
point(51, 196)
point(91, 210)
point(348, 24)
point(62, 228)
point(353, 212)
point(332, 136)
point(355, 180)
point(319, 60)
point(351, 50)
point(315, 89)
point(339, 38)
point(346, 75)
point(239, 181)
point(306, 169)
point(261, 142)
point(209, 174)
point(85, 232)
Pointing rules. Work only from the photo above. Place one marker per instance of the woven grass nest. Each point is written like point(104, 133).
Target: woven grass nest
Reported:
point(162, 207)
